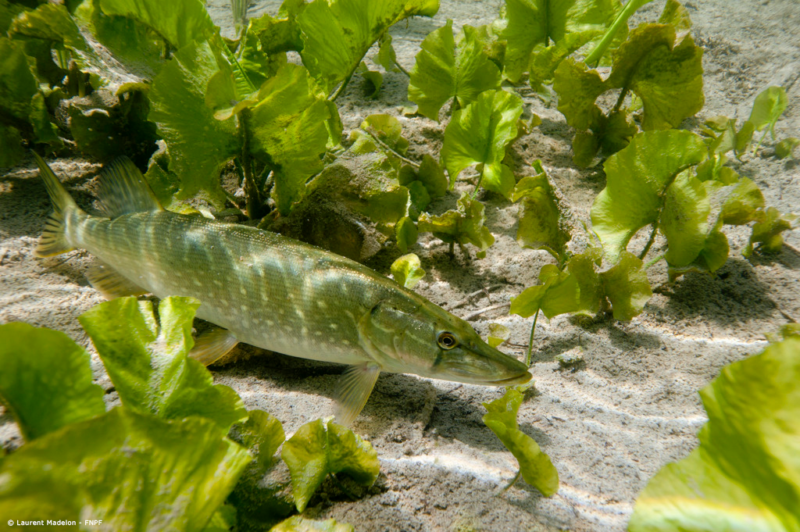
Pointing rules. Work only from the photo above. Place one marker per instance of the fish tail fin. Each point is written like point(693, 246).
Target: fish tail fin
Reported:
point(54, 238)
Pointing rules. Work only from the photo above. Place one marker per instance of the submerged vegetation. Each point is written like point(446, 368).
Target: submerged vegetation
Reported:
point(157, 82)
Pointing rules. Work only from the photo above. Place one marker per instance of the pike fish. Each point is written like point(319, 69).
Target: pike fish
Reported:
point(268, 290)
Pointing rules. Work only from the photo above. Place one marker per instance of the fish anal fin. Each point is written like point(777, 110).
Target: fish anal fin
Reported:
point(111, 283)
point(353, 391)
point(124, 190)
point(212, 345)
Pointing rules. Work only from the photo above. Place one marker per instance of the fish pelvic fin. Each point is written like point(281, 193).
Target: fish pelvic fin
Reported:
point(212, 345)
point(353, 391)
point(111, 283)
point(54, 240)
point(124, 190)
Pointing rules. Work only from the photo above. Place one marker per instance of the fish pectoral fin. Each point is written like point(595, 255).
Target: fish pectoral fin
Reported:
point(111, 283)
point(353, 391)
point(212, 345)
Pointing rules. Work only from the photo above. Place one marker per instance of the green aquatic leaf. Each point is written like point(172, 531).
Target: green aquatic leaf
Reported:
point(406, 232)
point(442, 71)
point(479, 135)
point(262, 433)
point(178, 22)
point(387, 57)
point(498, 334)
point(768, 231)
point(785, 148)
point(7, 13)
point(626, 287)
point(532, 22)
point(768, 108)
point(106, 133)
point(432, 176)
point(420, 199)
point(148, 365)
point(366, 184)
point(337, 34)
point(745, 475)
point(373, 80)
point(199, 145)
point(288, 127)
point(559, 293)
point(407, 270)
point(637, 181)
point(281, 34)
point(302, 524)
point(743, 203)
point(536, 467)
point(464, 224)
point(46, 381)
point(132, 471)
point(541, 223)
point(684, 219)
point(386, 128)
point(11, 150)
point(545, 59)
point(667, 77)
point(677, 15)
point(583, 268)
point(318, 449)
point(223, 520)
point(17, 83)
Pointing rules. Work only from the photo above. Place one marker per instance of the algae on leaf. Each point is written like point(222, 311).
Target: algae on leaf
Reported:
point(746, 473)
point(535, 466)
point(46, 380)
point(337, 34)
point(318, 449)
point(443, 70)
point(132, 471)
point(479, 135)
point(148, 362)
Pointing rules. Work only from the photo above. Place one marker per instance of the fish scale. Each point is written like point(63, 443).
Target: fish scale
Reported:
point(281, 297)
point(268, 290)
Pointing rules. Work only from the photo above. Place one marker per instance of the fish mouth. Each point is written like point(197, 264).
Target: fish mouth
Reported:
point(519, 379)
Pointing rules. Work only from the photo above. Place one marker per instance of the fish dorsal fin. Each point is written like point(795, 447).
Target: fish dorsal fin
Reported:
point(123, 190)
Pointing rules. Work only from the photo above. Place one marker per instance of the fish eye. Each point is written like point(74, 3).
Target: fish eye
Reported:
point(446, 340)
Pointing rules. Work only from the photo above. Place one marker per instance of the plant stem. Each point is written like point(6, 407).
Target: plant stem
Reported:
point(372, 133)
point(757, 146)
point(647, 246)
point(400, 67)
point(620, 100)
point(622, 19)
point(513, 481)
point(341, 87)
point(653, 262)
point(252, 194)
point(530, 343)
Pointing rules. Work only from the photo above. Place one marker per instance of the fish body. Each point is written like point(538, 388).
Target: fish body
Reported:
point(270, 291)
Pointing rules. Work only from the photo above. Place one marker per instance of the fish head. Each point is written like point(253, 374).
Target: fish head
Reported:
point(422, 338)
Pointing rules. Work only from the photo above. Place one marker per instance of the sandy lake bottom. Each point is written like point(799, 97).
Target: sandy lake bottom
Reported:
point(609, 424)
